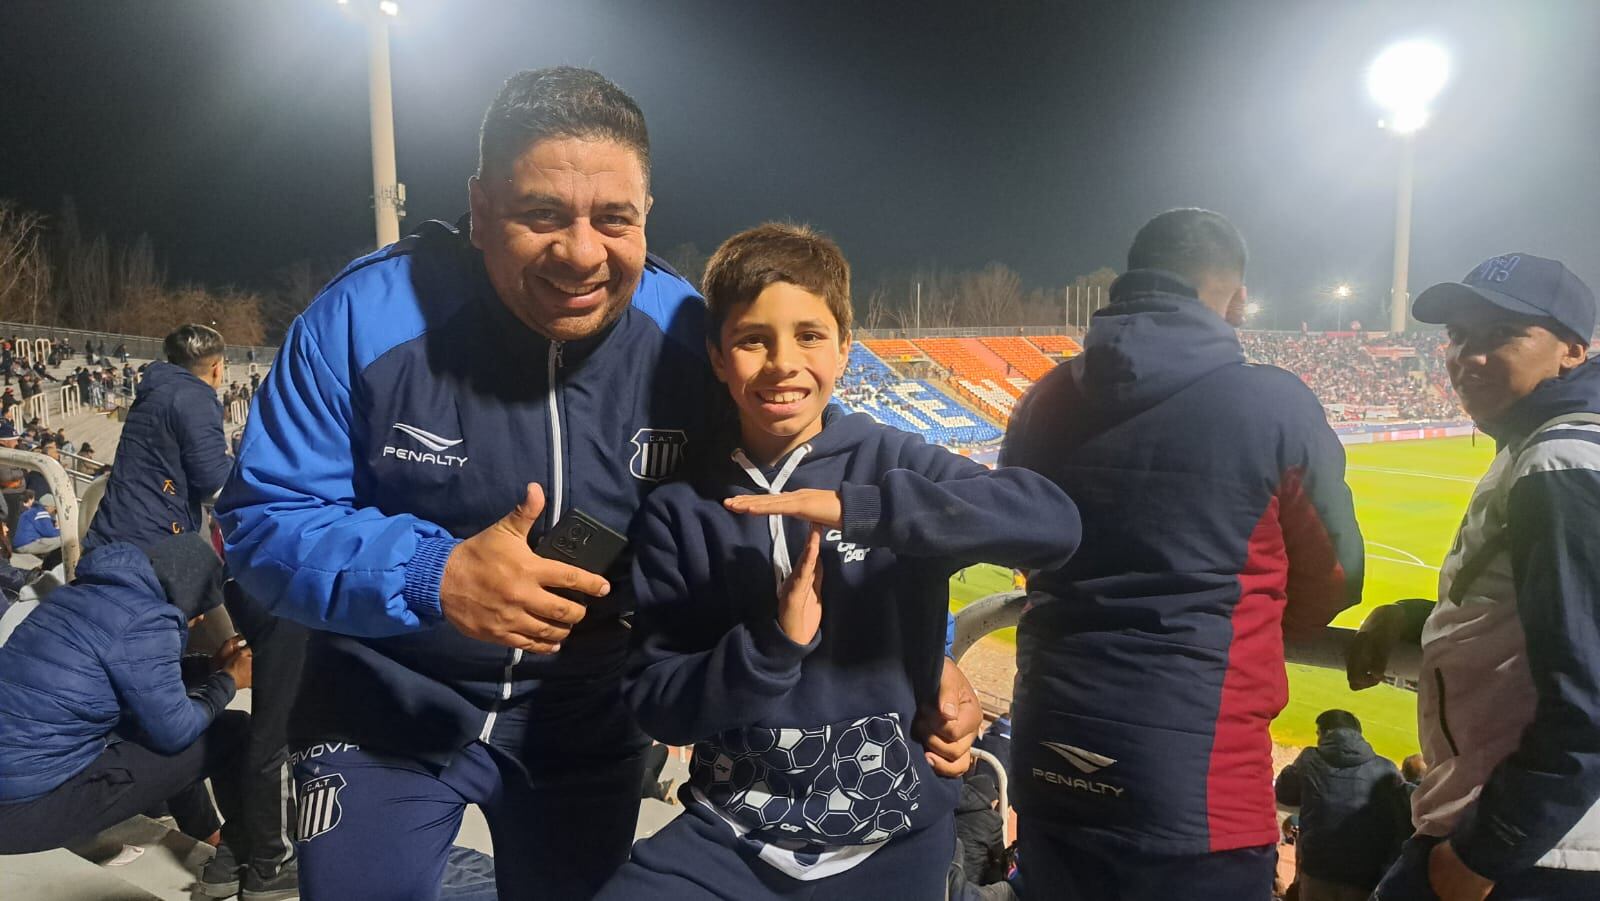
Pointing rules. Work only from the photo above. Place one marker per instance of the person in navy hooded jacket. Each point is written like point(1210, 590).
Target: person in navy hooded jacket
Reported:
point(1216, 520)
point(792, 604)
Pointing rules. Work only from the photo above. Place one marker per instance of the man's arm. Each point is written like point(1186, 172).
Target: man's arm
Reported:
point(1287, 788)
point(687, 677)
point(145, 670)
point(202, 447)
point(296, 539)
point(1327, 559)
point(1536, 795)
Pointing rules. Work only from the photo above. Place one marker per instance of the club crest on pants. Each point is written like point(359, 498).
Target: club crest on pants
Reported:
point(319, 806)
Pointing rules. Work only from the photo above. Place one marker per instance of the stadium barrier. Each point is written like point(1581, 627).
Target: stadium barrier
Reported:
point(1407, 431)
point(1326, 649)
point(68, 519)
point(71, 401)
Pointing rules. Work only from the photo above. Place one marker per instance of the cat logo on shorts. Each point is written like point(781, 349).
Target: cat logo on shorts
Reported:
point(319, 806)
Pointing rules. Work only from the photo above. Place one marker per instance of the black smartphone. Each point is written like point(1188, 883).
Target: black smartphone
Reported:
point(582, 541)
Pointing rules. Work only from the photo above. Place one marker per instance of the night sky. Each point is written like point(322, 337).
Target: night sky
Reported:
point(1039, 134)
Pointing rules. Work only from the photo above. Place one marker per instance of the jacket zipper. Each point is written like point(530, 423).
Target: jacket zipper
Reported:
point(552, 513)
point(1444, 722)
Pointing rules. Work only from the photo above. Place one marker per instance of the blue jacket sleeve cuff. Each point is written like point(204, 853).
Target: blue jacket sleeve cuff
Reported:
point(862, 508)
point(423, 575)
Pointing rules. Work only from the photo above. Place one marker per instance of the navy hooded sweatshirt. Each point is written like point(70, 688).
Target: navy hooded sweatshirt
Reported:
point(1216, 517)
point(806, 749)
point(171, 458)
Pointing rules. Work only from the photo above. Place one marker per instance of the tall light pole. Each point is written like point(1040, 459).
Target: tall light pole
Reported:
point(388, 194)
point(1403, 80)
point(1341, 293)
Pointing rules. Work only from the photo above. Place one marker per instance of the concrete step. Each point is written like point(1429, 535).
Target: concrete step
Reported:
point(167, 865)
point(61, 875)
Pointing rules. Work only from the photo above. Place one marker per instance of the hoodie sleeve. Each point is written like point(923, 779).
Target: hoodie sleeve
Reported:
point(203, 446)
point(688, 677)
point(146, 673)
point(1536, 795)
point(1327, 559)
point(939, 504)
point(296, 538)
point(1290, 780)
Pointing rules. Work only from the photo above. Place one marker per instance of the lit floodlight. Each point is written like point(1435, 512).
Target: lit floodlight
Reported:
point(1342, 292)
point(1252, 309)
point(389, 8)
point(1404, 79)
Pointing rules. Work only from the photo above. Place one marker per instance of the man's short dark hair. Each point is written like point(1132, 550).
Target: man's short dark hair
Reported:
point(558, 102)
point(1191, 242)
point(1328, 720)
point(191, 345)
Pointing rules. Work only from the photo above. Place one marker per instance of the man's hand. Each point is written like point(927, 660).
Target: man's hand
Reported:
point(239, 663)
point(1367, 658)
point(496, 589)
point(229, 648)
point(800, 599)
point(811, 504)
point(1451, 879)
point(949, 731)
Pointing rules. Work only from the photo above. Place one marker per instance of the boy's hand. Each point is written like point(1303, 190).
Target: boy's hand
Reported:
point(949, 731)
point(811, 504)
point(800, 600)
point(1450, 878)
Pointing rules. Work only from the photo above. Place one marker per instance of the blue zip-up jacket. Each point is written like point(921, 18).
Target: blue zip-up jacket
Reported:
point(35, 523)
point(1216, 517)
point(406, 411)
point(100, 656)
point(810, 743)
point(172, 457)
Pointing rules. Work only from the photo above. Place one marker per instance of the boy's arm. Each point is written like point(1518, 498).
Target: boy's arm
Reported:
point(689, 677)
point(1536, 795)
point(941, 504)
point(1326, 556)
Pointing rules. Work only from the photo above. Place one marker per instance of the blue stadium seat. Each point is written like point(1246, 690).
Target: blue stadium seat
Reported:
point(870, 386)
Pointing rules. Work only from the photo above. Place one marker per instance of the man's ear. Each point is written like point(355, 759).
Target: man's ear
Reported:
point(1234, 313)
point(477, 208)
point(1575, 354)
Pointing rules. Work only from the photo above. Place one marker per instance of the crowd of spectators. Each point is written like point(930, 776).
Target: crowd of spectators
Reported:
point(1358, 377)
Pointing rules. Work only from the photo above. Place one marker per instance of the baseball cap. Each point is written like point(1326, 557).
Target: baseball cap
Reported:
point(1519, 283)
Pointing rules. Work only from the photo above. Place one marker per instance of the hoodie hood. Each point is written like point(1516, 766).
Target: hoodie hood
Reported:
point(1344, 748)
point(1152, 341)
point(1576, 392)
point(159, 376)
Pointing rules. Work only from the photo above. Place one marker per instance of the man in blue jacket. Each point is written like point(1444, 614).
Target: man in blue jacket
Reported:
point(1216, 518)
point(172, 455)
point(1349, 800)
point(537, 361)
point(95, 722)
point(37, 533)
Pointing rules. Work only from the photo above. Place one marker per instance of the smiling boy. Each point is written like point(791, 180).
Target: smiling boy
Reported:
point(792, 593)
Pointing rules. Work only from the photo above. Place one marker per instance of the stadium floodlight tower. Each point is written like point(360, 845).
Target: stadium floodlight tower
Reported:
point(1341, 293)
point(1403, 80)
point(388, 194)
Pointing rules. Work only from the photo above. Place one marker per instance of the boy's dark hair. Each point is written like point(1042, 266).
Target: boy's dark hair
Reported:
point(558, 102)
point(27, 496)
point(799, 255)
point(190, 345)
point(1191, 242)
point(1328, 720)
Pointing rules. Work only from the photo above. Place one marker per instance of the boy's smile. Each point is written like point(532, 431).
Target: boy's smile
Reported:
point(780, 356)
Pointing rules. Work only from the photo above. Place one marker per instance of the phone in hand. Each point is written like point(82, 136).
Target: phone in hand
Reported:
point(581, 540)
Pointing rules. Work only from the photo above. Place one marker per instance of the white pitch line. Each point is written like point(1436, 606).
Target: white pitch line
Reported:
point(1403, 562)
point(1410, 472)
point(1398, 550)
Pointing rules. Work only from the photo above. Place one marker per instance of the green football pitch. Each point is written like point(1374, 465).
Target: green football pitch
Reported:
point(1409, 497)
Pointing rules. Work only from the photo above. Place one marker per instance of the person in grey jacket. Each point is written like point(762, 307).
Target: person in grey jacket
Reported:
point(1509, 704)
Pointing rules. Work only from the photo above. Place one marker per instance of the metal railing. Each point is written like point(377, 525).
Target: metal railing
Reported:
point(71, 400)
point(1326, 649)
point(68, 518)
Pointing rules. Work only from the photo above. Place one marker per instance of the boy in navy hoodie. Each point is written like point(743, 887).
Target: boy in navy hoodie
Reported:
point(791, 604)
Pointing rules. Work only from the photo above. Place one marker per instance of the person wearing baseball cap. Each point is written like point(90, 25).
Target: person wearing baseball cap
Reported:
point(1508, 705)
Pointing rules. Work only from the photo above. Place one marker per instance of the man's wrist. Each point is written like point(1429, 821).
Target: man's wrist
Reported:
point(425, 575)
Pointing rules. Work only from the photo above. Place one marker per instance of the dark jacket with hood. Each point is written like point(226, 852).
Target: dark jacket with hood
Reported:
point(1216, 518)
point(1348, 798)
point(171, 458)
point(99, 661)
point(807, 747)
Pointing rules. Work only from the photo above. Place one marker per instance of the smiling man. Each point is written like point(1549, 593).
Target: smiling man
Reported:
point(1509, 704)
point(537, 359)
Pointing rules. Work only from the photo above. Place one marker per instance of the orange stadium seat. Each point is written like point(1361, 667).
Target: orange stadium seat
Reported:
point(1027, 359)
point(897, 350)
point(1057, 344)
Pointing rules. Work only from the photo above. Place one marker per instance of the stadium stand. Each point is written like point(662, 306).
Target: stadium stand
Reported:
point(977, 374)
point(1063, 345)
point(1021, 356)
point(1364, 377)
point(870, 386)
